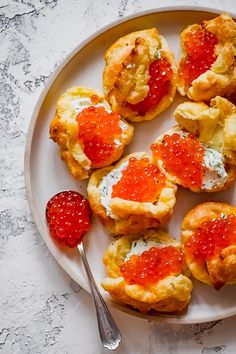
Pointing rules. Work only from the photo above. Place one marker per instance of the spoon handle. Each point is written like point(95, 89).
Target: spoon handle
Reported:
point(109, 332)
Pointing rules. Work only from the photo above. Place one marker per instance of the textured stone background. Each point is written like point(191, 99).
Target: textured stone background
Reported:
point(41, 309)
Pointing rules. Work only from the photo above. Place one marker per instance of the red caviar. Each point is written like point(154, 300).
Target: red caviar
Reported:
point(200, 48)
point(94, 99)
point(211, 238)
point(140, 182)
point(152, 265)
point(182, 157)
point(69, 217)
point(97, 131)
point(160, 73)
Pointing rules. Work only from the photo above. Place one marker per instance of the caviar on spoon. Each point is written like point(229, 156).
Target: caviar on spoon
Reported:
point(69, 216)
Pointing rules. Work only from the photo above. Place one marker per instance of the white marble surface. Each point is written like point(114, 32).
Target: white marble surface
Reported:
point(41, 309)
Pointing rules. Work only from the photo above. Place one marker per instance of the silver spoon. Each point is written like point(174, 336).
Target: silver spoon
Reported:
point(108, 329)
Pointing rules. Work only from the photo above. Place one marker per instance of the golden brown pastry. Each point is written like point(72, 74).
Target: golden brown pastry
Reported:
point(199, 153)
point(131, 196)
point(139, 78)
point(90, 136)
point(207, 66)
point(209, 242)
point(147, 273)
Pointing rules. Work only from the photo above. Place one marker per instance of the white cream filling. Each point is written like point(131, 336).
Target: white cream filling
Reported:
point(123, 127)
point(213, 161)
point(180, 132)
point(106, 185)
point(117, 142)
point(215, 174)
point(140, 246)
point(82, 102)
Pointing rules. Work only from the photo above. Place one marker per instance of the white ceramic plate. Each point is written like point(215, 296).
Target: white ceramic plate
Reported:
point(46, 174)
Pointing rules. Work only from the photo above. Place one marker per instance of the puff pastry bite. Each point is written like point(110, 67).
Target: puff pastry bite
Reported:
point(147, 273)
point(90, 136)
point(140, 75)
point(199, 154)
point(207, 66)
point(209, 242)
point(131, 196)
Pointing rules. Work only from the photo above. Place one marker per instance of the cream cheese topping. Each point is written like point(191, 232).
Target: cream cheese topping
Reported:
point(123, 127)
point(82, 102)
point(117, 142)
point(214, 169)
point(106, 185)
point(139, 246)
point(214, 174)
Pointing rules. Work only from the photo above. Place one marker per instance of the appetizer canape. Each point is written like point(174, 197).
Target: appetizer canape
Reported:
point(209, 242)
point(200, 153)
point(131, 196)
point(140, 75)
point(90, 136)
point(207, 66)
point(147, 272)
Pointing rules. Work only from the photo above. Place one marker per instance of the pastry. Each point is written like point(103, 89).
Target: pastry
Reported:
point(207, 66)
point(90, 136)
point(147, 273)
point(200, 153)
point(131, 196)
point(208, 234)
point(139, 78)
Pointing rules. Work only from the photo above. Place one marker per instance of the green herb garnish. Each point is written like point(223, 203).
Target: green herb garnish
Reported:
point(157, 55)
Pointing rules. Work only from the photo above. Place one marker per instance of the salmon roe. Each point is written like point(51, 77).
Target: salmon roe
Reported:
point(160, 73)
point(152, 265)
point(98, 130)
point(95, 99)
point(211, 238)
point(200, 48)
point(69, 217)
point(182, 157)
point(140, 182)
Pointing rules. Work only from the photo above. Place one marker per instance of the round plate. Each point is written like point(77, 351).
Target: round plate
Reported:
point(46, 174)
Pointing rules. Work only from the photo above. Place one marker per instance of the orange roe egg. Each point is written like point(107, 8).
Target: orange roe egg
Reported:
point(182, 157)
point(140, 182)
point(160, 73)
point(152, 265)
point(97, 131)
point(211, 238)
point(200, 48)
point(69, 217)
point(94, 99)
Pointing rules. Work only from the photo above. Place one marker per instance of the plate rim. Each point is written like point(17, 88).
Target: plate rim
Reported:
point(165, 318)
